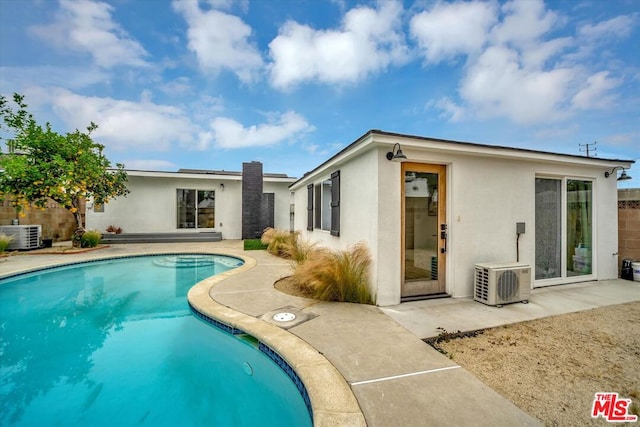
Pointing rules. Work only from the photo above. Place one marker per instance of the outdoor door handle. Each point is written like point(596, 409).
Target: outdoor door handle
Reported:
point(443, 236)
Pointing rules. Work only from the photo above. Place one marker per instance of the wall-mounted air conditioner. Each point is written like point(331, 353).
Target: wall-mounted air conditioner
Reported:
point(499, 283)
point(24, 236)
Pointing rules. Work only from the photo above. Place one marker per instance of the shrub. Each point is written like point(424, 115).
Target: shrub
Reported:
point(90, 239)
point(336, 275)
point(287, 244)
point(279, 242)
point(5, 241)
point(114, 229)
point(300, 250)
point(254, 245)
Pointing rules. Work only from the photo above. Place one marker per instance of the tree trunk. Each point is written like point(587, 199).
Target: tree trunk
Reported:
point(77, 235)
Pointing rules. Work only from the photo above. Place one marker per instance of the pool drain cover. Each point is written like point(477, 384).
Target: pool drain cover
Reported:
point(284, 317)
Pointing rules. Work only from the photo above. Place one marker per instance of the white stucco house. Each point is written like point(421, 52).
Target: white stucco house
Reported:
point(430, 217)
point(235, 204)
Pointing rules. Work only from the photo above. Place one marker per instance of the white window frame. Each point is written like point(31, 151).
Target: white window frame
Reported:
point(564, 278)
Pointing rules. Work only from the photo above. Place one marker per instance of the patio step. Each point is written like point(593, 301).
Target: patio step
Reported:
point(211, 236)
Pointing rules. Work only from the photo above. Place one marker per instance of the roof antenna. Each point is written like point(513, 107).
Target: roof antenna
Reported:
point(588, 148)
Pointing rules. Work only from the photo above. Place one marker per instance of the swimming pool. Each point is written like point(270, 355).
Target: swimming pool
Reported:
point(114, 342)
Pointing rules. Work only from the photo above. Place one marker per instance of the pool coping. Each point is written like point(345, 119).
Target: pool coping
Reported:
point(332, 400)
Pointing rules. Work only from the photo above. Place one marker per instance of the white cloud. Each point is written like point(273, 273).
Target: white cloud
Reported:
point(229, 4)
point(150, 165)
point(220, 41)
point(124, 124)
point(537, 55)
point(450, 111)
point(618, 27)
point(87, 27)
point(71, 77)
point(524, 23)
point(596, 93)
point(497, 85)
point(177, 87)
point(228, 133)
point(451, 29)
point(629, 139)
point(368, 41)
point(514, 67)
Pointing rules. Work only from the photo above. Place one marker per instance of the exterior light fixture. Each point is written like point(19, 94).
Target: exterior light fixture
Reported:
point(396, 155)
point(623, 176)
point(221, 186)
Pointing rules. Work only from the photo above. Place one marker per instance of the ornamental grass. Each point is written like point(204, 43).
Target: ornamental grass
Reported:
point(330, 275)
point(5, 241)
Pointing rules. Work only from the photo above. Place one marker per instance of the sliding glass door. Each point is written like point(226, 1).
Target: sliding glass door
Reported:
point(196, 208)
point(579, 227)
point(564, 229)
point(548, 228)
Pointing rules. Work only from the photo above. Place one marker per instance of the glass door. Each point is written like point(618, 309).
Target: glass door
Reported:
point(424, 230)
point(564, 230)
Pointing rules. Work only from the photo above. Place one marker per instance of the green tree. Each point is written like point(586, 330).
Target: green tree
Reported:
point(42, 164)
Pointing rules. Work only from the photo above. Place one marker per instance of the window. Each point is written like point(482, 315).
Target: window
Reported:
point(196, 208)
point(564, 228)
point(323, 205)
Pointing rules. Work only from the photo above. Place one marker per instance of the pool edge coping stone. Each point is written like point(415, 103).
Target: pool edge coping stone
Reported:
point(333, 402)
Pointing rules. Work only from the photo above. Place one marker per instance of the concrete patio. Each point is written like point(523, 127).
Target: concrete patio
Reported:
point(364, 364)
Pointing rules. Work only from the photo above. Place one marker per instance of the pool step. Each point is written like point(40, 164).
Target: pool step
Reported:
point(210, 236)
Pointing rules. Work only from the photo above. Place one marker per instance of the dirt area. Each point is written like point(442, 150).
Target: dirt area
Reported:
point(58, 248)
point(552, 368)
point(288, 286)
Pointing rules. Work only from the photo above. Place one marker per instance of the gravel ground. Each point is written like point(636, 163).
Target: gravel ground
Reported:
point(552, 367)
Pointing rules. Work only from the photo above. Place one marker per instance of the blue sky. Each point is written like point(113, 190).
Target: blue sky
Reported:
point(210, 84)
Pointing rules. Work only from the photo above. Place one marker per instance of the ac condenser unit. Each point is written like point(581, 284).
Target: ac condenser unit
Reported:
point(501, 283)
point(24, 236)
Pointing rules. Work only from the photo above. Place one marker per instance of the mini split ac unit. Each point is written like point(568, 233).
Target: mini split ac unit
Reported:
point(502, 283)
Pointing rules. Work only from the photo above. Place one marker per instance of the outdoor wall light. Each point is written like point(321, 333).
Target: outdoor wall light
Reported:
point(396, 155)
point(623, 176)
point(222, 186)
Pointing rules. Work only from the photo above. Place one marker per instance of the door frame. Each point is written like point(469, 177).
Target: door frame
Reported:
point(441, 171)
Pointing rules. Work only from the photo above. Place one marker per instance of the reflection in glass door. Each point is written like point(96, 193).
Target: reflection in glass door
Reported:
point(564, 229)
point(423, 222)
point(579, 227)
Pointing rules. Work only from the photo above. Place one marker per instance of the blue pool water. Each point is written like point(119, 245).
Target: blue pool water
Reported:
point(114, 343)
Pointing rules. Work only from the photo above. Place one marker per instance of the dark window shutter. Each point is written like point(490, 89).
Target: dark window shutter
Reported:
point(335, 203)
point(318, 206)
point(310, 207)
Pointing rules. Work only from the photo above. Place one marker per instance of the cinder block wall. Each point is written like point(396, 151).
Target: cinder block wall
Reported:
point(628, 224)
point(57, 223)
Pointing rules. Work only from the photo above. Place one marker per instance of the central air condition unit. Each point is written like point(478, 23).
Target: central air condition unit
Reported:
point(24, 236)
point(499, 283)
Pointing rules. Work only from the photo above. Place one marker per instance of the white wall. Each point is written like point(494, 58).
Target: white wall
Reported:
point(150, 207)
point(487, 195)
point(281, 204)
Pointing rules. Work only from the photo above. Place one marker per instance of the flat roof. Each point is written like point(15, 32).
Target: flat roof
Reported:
point(470, 145)
point(234, 173)
point(202, 173)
